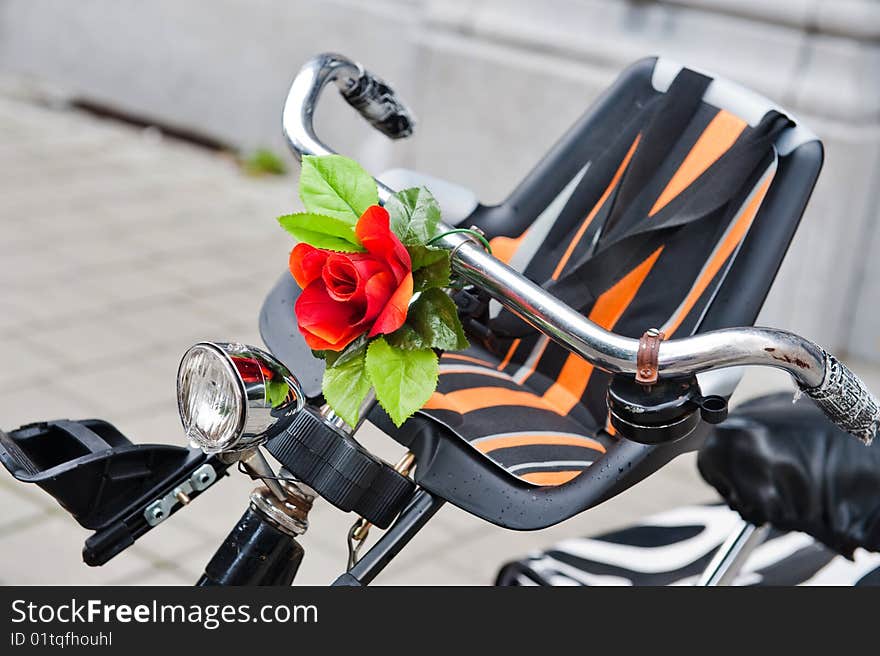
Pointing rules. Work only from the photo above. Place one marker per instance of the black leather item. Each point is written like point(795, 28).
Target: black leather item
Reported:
point(786, 464)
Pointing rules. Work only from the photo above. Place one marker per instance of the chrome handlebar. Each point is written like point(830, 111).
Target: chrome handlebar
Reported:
point(841, 394)
point(373, 99)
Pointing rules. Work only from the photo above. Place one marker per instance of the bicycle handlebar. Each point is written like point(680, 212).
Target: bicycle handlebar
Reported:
point(841, 395)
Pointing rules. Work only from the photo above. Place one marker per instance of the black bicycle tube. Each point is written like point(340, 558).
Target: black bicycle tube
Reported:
point(421, 509)
point(254, 553)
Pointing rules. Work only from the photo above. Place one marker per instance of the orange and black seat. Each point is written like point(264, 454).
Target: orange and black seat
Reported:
point(644, 236)
point(670, 205)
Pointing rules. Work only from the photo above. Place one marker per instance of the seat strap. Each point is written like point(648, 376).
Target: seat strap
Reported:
point(628, 237)
point(668, 122)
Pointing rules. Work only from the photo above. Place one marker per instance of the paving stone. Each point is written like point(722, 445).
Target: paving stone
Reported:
point(50, 552)
point(154, 575)
point(88, 344)
point(38, 403)
point(24, 363)
point(157, 425)
point(17, 507)
point(428, 572)
point(50, 304)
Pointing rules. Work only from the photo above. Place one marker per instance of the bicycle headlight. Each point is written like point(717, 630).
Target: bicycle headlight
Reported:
point(232, 397)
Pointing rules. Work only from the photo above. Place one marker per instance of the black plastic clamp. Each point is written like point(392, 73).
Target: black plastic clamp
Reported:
point(340, 470)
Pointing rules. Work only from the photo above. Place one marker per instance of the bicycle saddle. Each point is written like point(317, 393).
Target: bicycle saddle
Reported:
point(670, 204)
point(786, 464)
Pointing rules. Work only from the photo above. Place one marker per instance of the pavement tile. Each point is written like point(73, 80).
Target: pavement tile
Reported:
point(157, 425)
point(427, 572)
point(119, 386)
point(154, 575)
point(50, 552)
point(87, 344)
point(16, 506)
point(22, 364)
point(39, 403)
point(52, 303)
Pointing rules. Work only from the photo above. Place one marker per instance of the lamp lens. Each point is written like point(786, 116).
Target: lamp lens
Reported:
point(210, 399)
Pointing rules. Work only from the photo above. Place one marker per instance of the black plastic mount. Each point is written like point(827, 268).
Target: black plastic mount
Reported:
point(666, 411)
point(103, 480)
point(340, 470)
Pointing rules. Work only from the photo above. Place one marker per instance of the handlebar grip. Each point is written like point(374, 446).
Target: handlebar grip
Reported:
point(846, 401)
point(380, 106)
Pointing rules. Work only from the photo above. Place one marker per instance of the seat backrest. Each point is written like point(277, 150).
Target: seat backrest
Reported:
point(670, 204)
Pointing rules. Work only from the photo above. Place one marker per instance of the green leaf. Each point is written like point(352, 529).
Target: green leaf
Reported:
point(321, 231)
point(434, 316)
point(276, 392)
point(407, 338)
point(430, 267)
point(404, 380)
point(415, 215)
point(425, 256)
point(346, 383)
point(336, 186)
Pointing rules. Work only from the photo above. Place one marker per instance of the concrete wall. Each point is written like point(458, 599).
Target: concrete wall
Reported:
point(494, 83)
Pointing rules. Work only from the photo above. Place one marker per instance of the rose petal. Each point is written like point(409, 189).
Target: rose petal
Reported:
point(374, 232)
point(377, 291)
point(323, 322)
point(341, 278)
point(367, 265)
point(317, 344)
point(393, 316)
point(306, 263)
point(347, 275)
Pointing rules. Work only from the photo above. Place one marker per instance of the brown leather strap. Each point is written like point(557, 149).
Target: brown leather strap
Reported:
point(646, 360)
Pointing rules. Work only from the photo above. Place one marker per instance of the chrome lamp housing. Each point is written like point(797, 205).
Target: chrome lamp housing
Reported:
point(233, 397)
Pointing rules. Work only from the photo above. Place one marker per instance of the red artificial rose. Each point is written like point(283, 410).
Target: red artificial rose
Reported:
point(347, 294)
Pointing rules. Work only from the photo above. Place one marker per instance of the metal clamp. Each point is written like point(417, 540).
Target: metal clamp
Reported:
point(160, 509)
point(290, 514)
point(647, 357)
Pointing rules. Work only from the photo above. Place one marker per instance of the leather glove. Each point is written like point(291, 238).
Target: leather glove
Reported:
point(786, 464)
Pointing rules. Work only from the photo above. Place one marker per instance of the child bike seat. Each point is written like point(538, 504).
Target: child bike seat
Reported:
point(669, 204)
